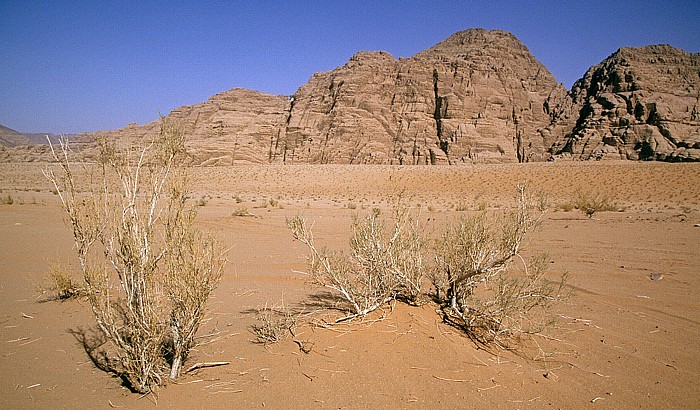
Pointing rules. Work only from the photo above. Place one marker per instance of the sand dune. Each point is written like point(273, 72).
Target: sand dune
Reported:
point(623, 340)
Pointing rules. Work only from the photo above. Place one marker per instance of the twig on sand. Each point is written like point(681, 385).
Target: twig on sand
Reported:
point(223, 387)
point(226, 391)
point(487, 388)
point(303, 347)
point(525, 401)
point(220, 384)
point(205, 364)
point(587, 371)
point(26, 343)
point(451, 380)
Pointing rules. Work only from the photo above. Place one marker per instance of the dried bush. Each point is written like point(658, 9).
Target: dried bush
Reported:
point(242, 211)
point(566, 206)
point(474, 280)
point(6, 199)
point(62, 286)
point(193, 269)
point(590, 203)
point(132, 226)
point(382, 265)
point(275, 324)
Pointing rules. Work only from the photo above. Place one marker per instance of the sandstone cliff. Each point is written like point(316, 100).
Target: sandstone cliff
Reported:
point(479, 96)
point(237, 125)
point(639, 103)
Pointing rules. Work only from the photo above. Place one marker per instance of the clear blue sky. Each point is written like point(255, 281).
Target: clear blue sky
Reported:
point(72, 66)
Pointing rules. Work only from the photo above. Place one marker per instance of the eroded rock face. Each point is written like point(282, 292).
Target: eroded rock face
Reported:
point(236, 126)
point(479, 96)
point(639, 103)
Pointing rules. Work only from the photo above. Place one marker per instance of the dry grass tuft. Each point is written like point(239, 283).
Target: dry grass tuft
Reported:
point(6, 199)
point(275, 324)
point(62, 286)
point(589, 203)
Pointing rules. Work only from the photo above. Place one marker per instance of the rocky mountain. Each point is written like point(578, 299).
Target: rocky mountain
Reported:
point(237, 125)
point(478, 96)
point(639, 103)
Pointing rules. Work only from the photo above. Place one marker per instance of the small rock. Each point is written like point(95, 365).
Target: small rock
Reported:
point(551, 376)
point(656, 276)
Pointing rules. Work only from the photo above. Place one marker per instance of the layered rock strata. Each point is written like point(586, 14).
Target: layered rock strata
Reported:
point(639, 103)
point(479, 96)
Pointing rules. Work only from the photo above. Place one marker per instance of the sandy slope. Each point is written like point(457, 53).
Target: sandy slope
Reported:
point(623, 341)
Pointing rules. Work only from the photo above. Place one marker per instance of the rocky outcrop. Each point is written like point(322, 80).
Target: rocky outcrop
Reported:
point(639, 103)
point(236, 126)
point(479, 96)
point(12, 138)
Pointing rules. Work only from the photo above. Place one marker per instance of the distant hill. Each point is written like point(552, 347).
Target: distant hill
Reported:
point(12, 138)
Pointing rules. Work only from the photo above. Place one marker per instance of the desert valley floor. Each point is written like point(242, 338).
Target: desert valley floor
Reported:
point(622, 341)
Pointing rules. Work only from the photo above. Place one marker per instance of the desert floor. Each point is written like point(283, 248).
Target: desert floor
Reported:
point(622, 341)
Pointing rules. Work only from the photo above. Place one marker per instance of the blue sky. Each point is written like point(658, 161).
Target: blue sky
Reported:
point(72, 66)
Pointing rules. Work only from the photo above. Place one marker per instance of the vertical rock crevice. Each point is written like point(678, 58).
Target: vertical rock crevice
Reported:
point(437, 114)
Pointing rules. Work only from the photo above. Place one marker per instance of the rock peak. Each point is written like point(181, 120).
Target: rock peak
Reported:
point(372, 55)
point(652, 49)
point(475, 38)
point(480, 34)
point(639, 103)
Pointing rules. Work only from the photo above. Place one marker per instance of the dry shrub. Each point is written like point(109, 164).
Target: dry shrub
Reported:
point(474, 280)
point(589, 203)
point(132, 228)
point(382, 265)
point(482, 283)
point(242, 211)
point(193, 269)
point(62, 286)
point(567, 206)
point(6, 199)
point(275, 324)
